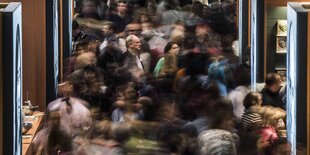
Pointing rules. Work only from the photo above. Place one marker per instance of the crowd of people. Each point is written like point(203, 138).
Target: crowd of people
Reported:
point(161, 77)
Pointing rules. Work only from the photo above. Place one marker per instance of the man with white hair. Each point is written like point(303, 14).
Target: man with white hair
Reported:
point(130, 61)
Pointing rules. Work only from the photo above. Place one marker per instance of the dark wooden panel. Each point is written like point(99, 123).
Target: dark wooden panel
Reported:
point(1, 90)
point(308, 88)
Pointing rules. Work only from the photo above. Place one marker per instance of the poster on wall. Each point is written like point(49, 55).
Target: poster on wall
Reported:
point(282, 28)
point(281, 44)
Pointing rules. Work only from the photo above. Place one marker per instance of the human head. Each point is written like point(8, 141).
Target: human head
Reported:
point(108, 28)
point(273, 82)
point(103, 128)
point(252, 99)
point(280, 146)
point(267, 137)
point(223, 116)
point(120, 131)
point(172, 48)
point(53, 118)
point(133, 28)
point(121, 6)
point(130, 93)
point(75, 29)
point(85, 59)
point(202, 32)
point(133, 43)
point(89, 9)
point(151, 6)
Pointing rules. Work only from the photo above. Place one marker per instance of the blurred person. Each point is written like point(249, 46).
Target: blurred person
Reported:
point(110, 52)
point(169, 112)
point(220, 138)
point(74, 112)
point(165, 70)
point(191, 81)
point(251, 120)
point(167, 65)
point(53, 138)
point(89, 84)
point(217, 73)
point(202, 36)
point(187, 47)
point(110, 37)
point(133, 29)
point(243, 88)
point(267, 138)
point(270, 92)
point(198, 8)
point(100, 141)
point(85, 59)
point(128, 107)
point(84, 54)
point(146, 57)
point(274, 117)
point(178, 32)
point(170, 10)
point(214, 43)
point(109, 140)
point(121, 11)
point(151, 7)
point(281, 147)
point(89, 9)
point(93, 46)
point(66, 89)
point(77, 35)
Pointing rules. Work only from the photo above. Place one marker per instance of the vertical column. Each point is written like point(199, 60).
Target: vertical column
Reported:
point(257, 42)
point(52, 49)
point(1, 86)
point(67, 27)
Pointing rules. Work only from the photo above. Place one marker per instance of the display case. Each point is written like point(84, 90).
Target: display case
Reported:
point(11, 77)
point(298, 82)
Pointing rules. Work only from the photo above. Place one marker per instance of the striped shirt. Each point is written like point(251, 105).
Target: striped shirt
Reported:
point(250, 120)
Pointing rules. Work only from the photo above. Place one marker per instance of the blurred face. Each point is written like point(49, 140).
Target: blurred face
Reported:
point(229, 123)
point(54, 119)
point(135, 44)
point(277, 85)
point(201, 32)
point(89, 7)
point(75, 32)
point(130, 93)
point(174, 49)
point(133, 28)
point(144, 19)
point(151, 7)
point(279, 82)
point(259, 99)
point(106, 30)
point(121, 7)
